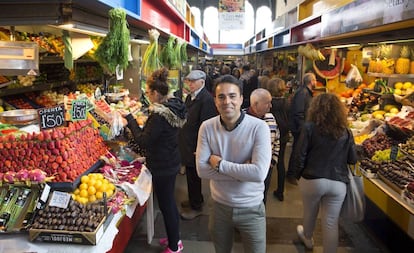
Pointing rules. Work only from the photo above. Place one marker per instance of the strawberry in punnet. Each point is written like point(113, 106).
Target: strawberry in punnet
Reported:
point(40, 136)
point(1, 176)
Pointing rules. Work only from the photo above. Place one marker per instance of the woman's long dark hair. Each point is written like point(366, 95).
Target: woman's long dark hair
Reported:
point(329, 114)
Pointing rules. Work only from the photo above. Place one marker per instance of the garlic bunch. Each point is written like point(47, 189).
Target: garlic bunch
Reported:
point(26, 80)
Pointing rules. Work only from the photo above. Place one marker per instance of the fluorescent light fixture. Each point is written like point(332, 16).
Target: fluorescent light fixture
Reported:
point(139, 41)
point(391, 42)
point(83, 29)
point(345, 46)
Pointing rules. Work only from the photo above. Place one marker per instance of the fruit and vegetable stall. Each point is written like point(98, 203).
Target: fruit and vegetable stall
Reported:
point(376, 82)
point(382, 122)
point(62, 180)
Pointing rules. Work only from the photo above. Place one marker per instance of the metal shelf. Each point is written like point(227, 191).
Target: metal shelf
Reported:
point(391, 75)
point(36, 87)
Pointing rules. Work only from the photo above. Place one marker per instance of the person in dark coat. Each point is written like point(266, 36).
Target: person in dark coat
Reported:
point(325, 148)
point(250, 83)
point(280, 110)
point(297, 114)
point(200, 106)
point(159, 139)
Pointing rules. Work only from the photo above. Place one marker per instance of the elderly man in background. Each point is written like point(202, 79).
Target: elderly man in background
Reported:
point(200, 106)
point(260, 104)
point(297, 115)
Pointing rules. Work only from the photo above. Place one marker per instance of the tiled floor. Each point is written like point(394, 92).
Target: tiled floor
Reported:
point(282, 217)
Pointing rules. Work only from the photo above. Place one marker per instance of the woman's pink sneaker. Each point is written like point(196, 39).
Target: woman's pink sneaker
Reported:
point(164, 243)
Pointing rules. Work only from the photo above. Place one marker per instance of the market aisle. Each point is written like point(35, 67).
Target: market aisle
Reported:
point(282, 218)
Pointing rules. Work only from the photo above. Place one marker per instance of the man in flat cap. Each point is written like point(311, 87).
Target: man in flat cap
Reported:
point(200, 106)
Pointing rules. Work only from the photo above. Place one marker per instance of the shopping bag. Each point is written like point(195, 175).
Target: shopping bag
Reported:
point(353, 207)
point(353, 78)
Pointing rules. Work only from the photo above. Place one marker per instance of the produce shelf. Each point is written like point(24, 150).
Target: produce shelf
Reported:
point(390, 75)
point(391, 203)
point(36, 87)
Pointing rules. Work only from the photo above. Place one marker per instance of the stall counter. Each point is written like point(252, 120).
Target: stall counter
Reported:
point(391, 203)
point(114, 239)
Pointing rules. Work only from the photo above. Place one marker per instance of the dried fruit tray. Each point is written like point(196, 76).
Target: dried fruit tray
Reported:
point(390, 184)
point(71, 237)
point(368, 174)
point(408, 197)
point(71, 186)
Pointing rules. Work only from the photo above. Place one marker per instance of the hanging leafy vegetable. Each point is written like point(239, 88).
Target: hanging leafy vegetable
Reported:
point(113, 50)
point(177, 52)
point(167, 56)
point(150, 60)
point(184, 56)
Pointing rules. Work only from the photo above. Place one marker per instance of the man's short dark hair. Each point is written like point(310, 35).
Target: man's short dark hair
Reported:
point(246, 67)
point(228, 79)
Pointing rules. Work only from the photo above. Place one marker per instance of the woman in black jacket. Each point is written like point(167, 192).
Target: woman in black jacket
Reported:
point(325, 148)
point(159, 139)
point(280, 110)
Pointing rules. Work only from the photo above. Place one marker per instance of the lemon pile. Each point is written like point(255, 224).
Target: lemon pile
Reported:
point(403, 88)
point(92, 187)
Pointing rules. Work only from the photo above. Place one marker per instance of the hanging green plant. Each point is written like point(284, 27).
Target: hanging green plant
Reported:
point(177, 52)
point(114, 49)
point(150, 60)
point(167, 56)
point(183, 51)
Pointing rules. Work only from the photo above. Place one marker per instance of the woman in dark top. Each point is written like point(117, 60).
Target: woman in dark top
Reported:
point(159, 139)
point(236, 73)
point(280, 109)
point(325, 148)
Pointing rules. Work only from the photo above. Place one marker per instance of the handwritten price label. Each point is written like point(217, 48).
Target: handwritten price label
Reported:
point(78, 111)
point(51, 117)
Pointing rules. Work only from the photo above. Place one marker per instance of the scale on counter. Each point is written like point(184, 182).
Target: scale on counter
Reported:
point(19, 58)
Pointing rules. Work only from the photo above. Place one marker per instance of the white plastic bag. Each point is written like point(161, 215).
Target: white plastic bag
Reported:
point(354, 78)
point(116, 125)
point(353, 207)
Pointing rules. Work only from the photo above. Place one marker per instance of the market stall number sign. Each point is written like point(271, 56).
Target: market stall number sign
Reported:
point(78, 111)
point(51, 117)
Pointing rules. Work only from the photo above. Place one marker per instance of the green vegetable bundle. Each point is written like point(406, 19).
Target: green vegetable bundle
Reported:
point(168, 57)
point(114, 49)
point(184, 52)
point(177, 50)
point(150, 60)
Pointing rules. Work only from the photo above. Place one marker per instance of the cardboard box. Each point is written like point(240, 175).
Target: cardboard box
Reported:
point(71, 237)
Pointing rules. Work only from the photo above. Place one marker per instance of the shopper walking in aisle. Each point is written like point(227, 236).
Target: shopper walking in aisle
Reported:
point(234, 153)
point(326, 147)
point(159, 139)
point(247, 87)
point(200, 106)
point(236, 73)
point(260, 104)
point(280, 110)
point(297, 114)
point(264, 78)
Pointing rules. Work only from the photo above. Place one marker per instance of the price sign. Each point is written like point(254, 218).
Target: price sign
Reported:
point(60, 199)
point(78, 111)
point(51, 117)
point(394, 152)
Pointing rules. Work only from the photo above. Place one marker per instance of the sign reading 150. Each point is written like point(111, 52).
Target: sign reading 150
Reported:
point(78, 110)
point(51, 117)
